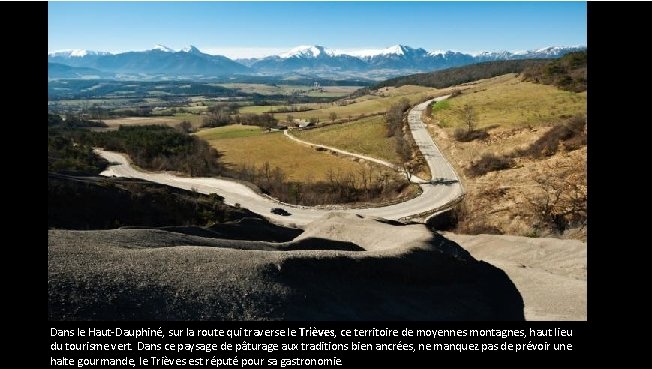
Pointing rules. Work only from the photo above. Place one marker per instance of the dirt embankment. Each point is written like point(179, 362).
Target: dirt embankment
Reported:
point(356, 274)
point(549, 273)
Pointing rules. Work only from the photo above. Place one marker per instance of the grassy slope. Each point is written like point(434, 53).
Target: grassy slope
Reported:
point(231, 131)
point(520, 113)
point(365, 136)
point(242, 146)
point(509, 102)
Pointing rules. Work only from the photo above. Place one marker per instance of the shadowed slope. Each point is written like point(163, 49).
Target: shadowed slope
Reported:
point(153, 274)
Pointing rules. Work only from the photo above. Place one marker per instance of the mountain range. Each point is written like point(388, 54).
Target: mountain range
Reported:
point(307, 60)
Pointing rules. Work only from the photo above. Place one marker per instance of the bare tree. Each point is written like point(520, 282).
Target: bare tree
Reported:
point(469, 117)
point(185, 126)
point(408, 170)
point(561, 201)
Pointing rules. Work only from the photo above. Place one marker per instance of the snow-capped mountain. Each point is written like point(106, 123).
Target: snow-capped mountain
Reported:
point(314, 51)
point(307, 59)
point(394, 59)
point(158, 60)
point(76, 53)
point(163, 48)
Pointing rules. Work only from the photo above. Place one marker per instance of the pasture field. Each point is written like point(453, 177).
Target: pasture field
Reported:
point(367, 136)
point(260, 109)
point(142, 121)
point(168, 120)
point(244, 145)
point(508, 102)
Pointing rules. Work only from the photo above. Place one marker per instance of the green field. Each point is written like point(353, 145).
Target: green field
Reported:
point(243, 145)
point(366, 136)
point(506, 101)
point(232, 131)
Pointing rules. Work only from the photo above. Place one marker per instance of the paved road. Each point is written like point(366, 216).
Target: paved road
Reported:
point(434, 195)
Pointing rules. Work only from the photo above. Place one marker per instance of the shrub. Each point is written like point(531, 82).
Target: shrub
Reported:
point(463, 135)
point(489, 163)
point(571, 133)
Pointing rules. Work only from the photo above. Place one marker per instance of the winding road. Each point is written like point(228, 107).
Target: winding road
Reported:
point(441, 192)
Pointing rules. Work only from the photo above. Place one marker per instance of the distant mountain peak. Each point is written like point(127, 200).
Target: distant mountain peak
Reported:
point(305, 51)
point(163, 48)
point(398, 49)
point(191, 49)
point(76, 53)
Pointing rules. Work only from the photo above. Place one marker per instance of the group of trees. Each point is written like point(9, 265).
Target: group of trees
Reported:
point(458, 75)
point(71, 121)
point(162, 148)
point(265, 120)
point(394, 117)
point(291, 109)
point(223, 114)
point(394, 124)
point(369, 184)
point(220, 114)
point(68, 156)
point(568, 72)
point(92, 203)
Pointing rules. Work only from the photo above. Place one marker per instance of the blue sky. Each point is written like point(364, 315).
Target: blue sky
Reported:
point(254, 29)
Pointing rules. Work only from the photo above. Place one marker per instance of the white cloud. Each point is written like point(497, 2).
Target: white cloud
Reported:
point(243, 52)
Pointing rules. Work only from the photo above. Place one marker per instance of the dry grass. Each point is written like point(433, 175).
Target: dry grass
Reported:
point(299, 162)
point(499, 200)
point(194, 119)
point(367, 136)
point(230, 131)
point(142, 121)
point(260, 109)
point(509, 102)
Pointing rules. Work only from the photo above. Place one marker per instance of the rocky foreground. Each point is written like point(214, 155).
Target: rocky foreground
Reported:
point(342, 267)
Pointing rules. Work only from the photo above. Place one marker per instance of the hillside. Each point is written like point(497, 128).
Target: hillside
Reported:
point(90, 202)
point(524, 170)
point(549, 273)
point(568, 73)
point(56, 70)
point(459, 75)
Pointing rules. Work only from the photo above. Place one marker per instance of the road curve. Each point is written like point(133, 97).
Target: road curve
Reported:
point(435, 196)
